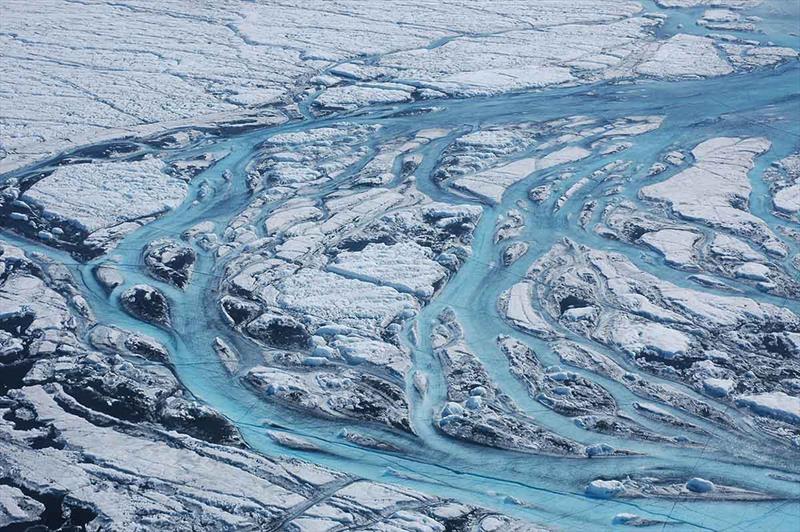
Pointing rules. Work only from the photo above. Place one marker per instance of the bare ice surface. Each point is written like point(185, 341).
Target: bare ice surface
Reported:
point(306, 266)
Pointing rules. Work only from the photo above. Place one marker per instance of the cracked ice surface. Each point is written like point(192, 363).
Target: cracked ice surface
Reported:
point(76, 72)
point(98, 196)
point(93, 448)
point(446, 266)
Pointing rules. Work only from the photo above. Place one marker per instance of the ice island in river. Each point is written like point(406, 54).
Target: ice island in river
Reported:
point(306, 266)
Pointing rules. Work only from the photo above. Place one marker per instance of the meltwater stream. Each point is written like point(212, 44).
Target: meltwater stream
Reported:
point(543, 489)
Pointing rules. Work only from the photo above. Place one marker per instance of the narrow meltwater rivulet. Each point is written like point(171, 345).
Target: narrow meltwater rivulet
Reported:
point(574, 306)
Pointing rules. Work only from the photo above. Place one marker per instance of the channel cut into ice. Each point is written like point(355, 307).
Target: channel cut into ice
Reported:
point(525, 254)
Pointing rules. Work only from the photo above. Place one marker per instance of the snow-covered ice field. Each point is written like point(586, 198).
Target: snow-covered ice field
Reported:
point(462, 265)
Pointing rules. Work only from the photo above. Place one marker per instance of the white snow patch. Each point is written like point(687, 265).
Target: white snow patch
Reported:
point(773, 404)
point(100, 195)
point(405, 266)
point(685, 56)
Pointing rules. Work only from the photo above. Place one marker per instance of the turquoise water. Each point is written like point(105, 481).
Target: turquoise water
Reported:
point(549, 490)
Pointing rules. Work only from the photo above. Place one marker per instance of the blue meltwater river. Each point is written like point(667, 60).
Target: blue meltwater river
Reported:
point(543, 489)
